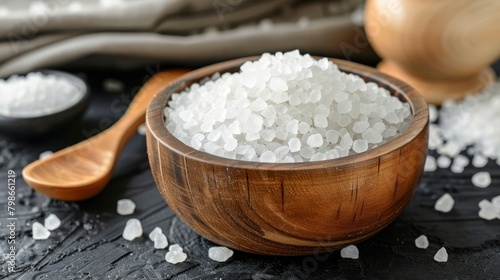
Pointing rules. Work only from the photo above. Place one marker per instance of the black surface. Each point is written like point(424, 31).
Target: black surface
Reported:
point(89, 245)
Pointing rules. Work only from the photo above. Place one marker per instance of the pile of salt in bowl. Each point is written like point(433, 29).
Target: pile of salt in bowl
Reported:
point(286, 108)
point(37, 94)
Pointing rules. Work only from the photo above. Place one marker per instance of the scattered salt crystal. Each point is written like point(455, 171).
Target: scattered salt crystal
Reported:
point(113, 86)
point(487, 211)
point(496, 202)
point(39, 231)
point(422, 242)
point(441, 255)
point(443, 162)
point(455, 168)
point(444, 203)
point(433, 113)
point(461, 160)
point(160, 241)
point(45, 154)
point(125, 207)
point(430, 164)
point(481, 179)
point(479, 161)
point(220, 254)
point(350, 252)
point(52, 222)
point(132, 230)
point(155, 231)
point(175, 254)
point(141, 130)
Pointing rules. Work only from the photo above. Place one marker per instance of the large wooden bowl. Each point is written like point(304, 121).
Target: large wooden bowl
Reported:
point(288, 208)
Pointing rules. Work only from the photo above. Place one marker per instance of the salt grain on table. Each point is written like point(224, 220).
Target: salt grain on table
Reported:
point(175, 254)
point(220, 254)
point(479, 161)
point(39, 231)
point(422, 242)
point(155, 231)
point(125, 207)
point(444, 203)
point(133, 229)
point(441, 255)
point(141, 130)
point(52, 222)
point(488, 210)
point(443, 162)
point(481, 179)
point(45, 154)
point(430, 164)
point(350, 252)
point(160, 241)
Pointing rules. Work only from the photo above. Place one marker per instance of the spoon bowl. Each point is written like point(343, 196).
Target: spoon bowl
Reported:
point(288, 208)
point(26, 127)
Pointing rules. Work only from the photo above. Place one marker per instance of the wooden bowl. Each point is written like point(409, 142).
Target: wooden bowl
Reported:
point(288, 208)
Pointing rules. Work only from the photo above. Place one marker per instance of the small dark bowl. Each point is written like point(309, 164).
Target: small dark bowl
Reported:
point(25, 127)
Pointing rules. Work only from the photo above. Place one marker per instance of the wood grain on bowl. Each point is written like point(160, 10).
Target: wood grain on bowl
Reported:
point(288, 208)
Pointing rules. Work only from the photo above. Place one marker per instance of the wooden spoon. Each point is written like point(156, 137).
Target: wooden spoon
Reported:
point(81, 171)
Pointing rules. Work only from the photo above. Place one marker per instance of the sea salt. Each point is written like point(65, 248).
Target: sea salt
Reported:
point(141, 130)
point(430, 164)
point(125, 207)
point(39, 231)
point(160, 241)
point(443, 162)
point(36, 95)
point(488, 210)
point(175, 254)
point(444, 203)
point(132, 230)
point(45, 154)
point(422, 242)
point(286, 100)
point(155, 231)
point(441, 255)
point(350, 252)
point(479, 161)
point(481, 179)
point(220, 254)
point(52, 222)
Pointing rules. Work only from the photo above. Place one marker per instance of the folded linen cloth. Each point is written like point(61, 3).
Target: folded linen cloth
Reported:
point(53, 33)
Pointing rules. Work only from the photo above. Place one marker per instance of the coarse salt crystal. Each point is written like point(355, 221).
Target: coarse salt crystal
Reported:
point(444, 203)
point(39, 231)
point(422, 242)
point(441, 255)
point(430, 164)
point(125, 207)
point(220, 254)
point(132, 230)
point(350, 252)
point(481, 179)
point(52, 222)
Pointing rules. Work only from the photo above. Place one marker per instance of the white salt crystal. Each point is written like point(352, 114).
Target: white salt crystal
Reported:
point(220, 254)
point(52, 222)
point(294, 144)
point(461, 160)
point(496, 202)
point(443, 162)
point(315, 140)
point(444, 203)
point(280, 97)
point(125, 206)
point(175, 248)
point(433, 113)
point(481, 179)
point(455, 168)
point(39, 231)
point(479, 161)
point(350, 252)
point(277, 84)
point(360, 145)
point(175, 257)
point(45, 154)
point(451, 149)
point(141, 130)
point(422, 242)
point(430, 164)
point(132, 230)
point(160, 241)
point(441, 255)
point(155, 231)
point(268, 156)
point(488, 211)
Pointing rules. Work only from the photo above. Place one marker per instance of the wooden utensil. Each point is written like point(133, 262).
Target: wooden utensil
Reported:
point(442, 48)
point(288, 208)
point(81, 171)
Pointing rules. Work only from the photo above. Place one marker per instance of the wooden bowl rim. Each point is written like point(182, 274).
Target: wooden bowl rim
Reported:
point(155, 121)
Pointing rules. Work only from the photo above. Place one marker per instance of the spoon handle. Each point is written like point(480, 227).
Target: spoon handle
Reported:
point(117, 136)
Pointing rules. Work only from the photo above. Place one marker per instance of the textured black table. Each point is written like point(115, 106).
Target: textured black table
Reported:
point(89, 245)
